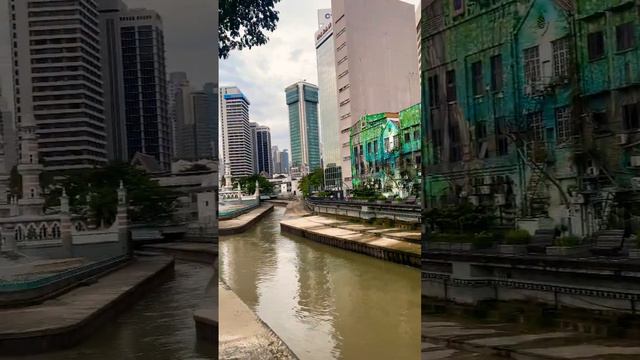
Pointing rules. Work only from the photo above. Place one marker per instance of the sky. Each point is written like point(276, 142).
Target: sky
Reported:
point(264, 72)
point(190, 30)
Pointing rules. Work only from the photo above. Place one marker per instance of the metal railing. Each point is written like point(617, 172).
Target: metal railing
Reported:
point(88, 270)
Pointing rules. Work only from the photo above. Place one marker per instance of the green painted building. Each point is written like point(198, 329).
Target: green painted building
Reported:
point(385, 152)
point(532, 107)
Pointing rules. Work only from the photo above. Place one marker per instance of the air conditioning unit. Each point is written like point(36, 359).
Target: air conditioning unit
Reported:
point(635, 183)
point(485, 190)
point(623, 139)
point(578, 199)
point(593, 171)
point(474, 200)
point(499, 199)
point(635, 160)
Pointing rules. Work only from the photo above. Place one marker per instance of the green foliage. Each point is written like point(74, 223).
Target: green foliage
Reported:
point(95, 190)
point(244, 23)
point(311, 182)
point(517, 237)
point(248, 184)
point(568, 241)
point(464, 218)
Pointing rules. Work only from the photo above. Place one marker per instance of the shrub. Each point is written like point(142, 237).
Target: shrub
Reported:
point(517, 237)
point(568, 241)
point(484, 240)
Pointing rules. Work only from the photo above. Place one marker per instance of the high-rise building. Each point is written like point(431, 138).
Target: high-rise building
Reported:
point(176, 81)
point(111, 55)
point(275, 158)
point(211, 89)
point(284, 161)
point(193, 127)
point(254, 146)
point(236, 132)
point(328, 95)
point(59, 98)
point(263, 150)
point(145, 85)
point(376, 63)
point(8, 144)
point(302, 100)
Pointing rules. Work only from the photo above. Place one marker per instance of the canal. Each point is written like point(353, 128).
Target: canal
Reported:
point(159, 327)
point(323, 302)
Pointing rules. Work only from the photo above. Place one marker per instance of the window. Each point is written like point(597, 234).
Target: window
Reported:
point(631, 116)
point(434, 98)
point(624, 36)
point(387, 144)
point(436, 138)
point(537, 126)
point(595, 45)
point(407, 137)
point(481, 140)
point(476, 74)
point(451, 85)
point(502, 141)
point(561, 57)
point(496, 73)
point(563, 125)
point(532, 65)
point(455, 153)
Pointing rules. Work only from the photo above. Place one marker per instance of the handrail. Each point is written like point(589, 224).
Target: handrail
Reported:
point(34, 284)
point(390, 206)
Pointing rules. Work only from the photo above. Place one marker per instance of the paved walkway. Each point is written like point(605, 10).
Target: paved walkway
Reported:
point(444, 339)
point(243, 335)
point(81, 304)
point(390, 238)
point(240, 223)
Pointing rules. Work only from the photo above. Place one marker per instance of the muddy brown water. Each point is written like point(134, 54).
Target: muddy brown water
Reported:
point(324, 302)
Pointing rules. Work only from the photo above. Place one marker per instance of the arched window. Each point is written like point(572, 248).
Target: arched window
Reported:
point(32, 233)
point(80, 226)
point(55, 231)
point(19, 233)
point(43, 231)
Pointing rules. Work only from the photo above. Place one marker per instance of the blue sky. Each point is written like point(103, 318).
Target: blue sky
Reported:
point(262, 73)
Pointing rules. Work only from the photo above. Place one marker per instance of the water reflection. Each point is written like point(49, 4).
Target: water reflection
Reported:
point(159, 327)
point(325, 303)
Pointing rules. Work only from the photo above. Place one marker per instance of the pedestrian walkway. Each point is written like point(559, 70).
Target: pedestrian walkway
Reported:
point(243, 335)
point(442, 339)
point(242, 222)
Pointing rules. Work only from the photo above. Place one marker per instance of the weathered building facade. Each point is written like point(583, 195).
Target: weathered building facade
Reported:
point(532, 107)
point(385, 151)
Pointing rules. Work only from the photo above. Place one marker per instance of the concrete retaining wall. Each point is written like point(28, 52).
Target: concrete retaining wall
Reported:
point(230, 230)
point(61, 338)
point(399, 257)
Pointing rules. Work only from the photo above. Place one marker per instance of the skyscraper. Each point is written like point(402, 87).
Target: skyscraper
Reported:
point(111, 55)
point(8, 144)
point(263, 150)
point(145, 85)
point(329, 122)
point(302, 100)
point(57, 82)
point(236, 133)
point(284, 161)
point(275, 159)
point(194, 133)
point(211, 89)
point(176, 80)
point(376, 63)
point(254, 146)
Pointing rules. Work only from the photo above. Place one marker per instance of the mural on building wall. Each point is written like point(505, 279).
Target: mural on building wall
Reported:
point(538, 114)
point(385, 152)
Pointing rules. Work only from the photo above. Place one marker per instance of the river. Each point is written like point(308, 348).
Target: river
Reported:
point(158, 327)
point(324, 302)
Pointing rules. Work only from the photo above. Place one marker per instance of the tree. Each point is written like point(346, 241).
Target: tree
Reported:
point(312, 181)
point(248, 184)
point(244, 23)
point(93, 192)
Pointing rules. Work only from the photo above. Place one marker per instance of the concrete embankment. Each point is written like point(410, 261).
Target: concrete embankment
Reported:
point(63, 322)
point(244, 221)
point(244, 335)
point(206, 253)
point(395, 245)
